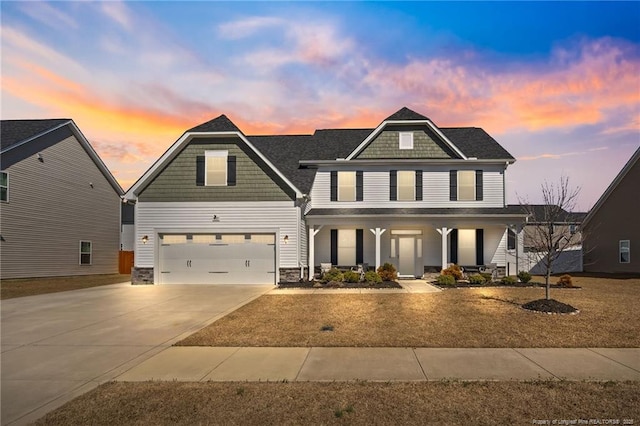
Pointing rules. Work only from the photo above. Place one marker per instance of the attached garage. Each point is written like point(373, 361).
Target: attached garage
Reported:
point(217, 258)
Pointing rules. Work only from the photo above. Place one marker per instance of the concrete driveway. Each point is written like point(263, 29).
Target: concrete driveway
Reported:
point(61, 345)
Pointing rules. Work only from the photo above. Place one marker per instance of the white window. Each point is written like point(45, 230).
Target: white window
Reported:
point(466, 185)
point(215, 168)
point(406, 140)
point(346, 246)
point(174, 239)
point(204, 239)
point(393, 247)
point(346, 187)
point(625, 251)
point(85, 252)
point(406, 185)
point(4, 186)
point(466, 246)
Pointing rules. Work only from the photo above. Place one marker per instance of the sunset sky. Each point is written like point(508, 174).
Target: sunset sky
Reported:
point(557, 84)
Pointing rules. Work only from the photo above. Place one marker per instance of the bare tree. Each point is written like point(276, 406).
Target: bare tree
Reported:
point(547, 229)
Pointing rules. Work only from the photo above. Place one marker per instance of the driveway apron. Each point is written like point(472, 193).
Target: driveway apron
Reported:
point(61, 345)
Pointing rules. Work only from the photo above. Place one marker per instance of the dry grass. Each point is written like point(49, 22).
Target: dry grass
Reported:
point(484, 317)
point(33, 286)
point(357, 403)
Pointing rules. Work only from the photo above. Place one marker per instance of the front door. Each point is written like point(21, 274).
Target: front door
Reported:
point(407, 256)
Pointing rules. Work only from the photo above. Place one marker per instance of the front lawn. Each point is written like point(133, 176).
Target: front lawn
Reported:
point(455, 318)
point(32, 286)
point(357, 403)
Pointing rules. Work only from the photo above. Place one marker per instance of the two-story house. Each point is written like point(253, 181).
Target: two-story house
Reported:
point(59, 203)
point(223, 207)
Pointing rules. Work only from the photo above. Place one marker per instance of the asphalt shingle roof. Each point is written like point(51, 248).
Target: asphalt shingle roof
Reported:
point(218, 124)
point(15, 131)
point(538, 213)
point(405, 113)
point(475, 142)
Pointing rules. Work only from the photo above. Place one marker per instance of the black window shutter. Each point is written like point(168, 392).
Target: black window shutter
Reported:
point(359, 246)
point(479, 246)
point(479, 185)
point(511, 240)
point(453, 185)
point(231, 170)
point(418, 185)
point(393, 185)
point(200, 170)
point(453, 243)
point(334, 186)
point(359, 185)
point(334, 247)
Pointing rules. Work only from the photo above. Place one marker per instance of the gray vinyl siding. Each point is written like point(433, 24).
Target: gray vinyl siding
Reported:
point(177, 182)
point(280, 218)
point(386, 145)
point(435, 187)
point(51, 208)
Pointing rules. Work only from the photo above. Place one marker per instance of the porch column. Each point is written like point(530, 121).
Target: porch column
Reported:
point(377, 232)
point(312, 245)
point(444, 231)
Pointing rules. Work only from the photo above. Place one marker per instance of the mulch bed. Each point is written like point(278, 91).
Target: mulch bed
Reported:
point(314, 285)
point(550, 306)
point(499, 284)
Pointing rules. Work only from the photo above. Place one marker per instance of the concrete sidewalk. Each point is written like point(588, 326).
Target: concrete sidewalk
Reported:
point(386, 364)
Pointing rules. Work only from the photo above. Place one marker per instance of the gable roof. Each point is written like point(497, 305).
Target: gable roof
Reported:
point(405, 113)
point(24, 138)
point(218, 124)
point(475, 142)
point(539, 211)
point(13, 132)
point(605, 195)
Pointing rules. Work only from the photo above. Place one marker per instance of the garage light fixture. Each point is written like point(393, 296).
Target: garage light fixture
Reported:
point(145, 239)
point(286, 239)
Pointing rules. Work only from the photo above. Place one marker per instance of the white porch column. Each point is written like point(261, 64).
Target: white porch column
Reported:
point(444, 231)
point(377, 232)
point(312, 245)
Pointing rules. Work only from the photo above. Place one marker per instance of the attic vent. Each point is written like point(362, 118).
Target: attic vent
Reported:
point(406, 140)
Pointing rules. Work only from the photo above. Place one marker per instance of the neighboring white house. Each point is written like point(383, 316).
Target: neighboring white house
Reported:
point(222, 207)
point(59, 204)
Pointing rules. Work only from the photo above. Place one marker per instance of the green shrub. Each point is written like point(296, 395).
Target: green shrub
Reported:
point(509, 280)
point(477, 279)
point(565, 281)
point(372, 277)
point(351, 277)
point(524, 276)
point(453, 270)
point(446, 280)
point(488, 277)
point(388, 272)
point(332, 274)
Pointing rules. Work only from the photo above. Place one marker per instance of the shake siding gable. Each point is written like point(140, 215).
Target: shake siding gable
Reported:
point(386, 145)
point(52, 207)
point(253, 181)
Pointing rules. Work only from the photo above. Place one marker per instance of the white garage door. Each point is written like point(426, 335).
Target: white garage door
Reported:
point(217, 259)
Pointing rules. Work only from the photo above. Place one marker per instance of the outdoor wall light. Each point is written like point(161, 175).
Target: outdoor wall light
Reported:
point(145, 239)
point(40, 159)
point(286, 239)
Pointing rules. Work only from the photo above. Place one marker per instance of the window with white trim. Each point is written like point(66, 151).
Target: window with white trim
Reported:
point(346, 187)
point(406, 185)
point(625, 251)
point(4, 186)
point(466, 185)
point(346, 246)
point(406, 140)
point(215, 168)
point(85, 252)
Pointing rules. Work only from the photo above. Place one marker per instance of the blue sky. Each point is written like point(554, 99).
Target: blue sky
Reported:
point(556, 83)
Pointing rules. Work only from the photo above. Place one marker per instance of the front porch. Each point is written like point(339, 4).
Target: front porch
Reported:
point(414, 246)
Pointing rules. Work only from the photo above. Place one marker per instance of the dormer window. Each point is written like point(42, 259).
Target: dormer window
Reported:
point(406, 140)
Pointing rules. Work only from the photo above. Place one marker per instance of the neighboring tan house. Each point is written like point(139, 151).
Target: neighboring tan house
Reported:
point(566, 224)
point(611, 230)
point(223, 207)
point(59, 204)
